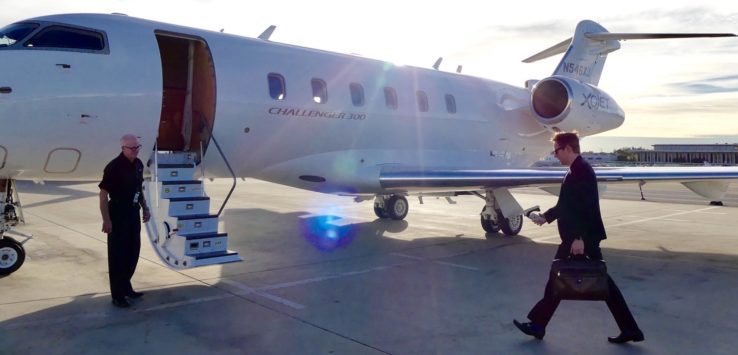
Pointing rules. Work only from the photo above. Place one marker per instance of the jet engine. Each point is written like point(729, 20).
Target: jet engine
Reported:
point(565, 104)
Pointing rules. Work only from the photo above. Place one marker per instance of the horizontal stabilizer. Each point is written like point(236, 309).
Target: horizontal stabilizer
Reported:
point(605, 36)
point(554, 50)
point(627, 36)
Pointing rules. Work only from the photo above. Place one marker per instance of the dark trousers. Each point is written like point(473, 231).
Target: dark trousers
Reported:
point(124, 246)
point(543, 310)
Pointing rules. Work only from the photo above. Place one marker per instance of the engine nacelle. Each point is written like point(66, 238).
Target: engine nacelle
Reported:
point(565, 104)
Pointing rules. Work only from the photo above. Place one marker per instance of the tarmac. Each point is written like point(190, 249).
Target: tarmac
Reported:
point(322, 275)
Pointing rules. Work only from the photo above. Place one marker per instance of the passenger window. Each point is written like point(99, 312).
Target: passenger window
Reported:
point(277, 88)
point(15, 32)
point(450, 103)
point(390, 97)
point(422, 101)
point(320, 91)
point(357, 94)
point(66, 37)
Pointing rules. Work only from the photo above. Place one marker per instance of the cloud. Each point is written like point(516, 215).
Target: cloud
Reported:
point(720, 84)
point(706, 88)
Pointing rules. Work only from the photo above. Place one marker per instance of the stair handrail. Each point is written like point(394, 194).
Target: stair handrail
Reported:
point(225, 160)
point(156, 173)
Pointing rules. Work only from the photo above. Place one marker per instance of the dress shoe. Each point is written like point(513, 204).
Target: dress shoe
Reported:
point(134, 295)
point(624, 337)
point(531, 329)
point(121, 303)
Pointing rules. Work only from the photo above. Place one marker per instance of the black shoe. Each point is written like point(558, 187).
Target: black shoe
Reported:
point(531, 329)
point(121, 303)
point(624, 337)
point(134, 295)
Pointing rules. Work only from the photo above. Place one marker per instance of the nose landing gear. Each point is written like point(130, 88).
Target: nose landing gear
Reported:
point(12, 253)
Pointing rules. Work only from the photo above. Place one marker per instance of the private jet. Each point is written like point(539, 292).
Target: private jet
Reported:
point(218, 105)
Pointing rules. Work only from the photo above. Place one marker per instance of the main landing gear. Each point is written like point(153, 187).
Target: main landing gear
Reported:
point(493, 220)
point(392, 206)
point(12, 253)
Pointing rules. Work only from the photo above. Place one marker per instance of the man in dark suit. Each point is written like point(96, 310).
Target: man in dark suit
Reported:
point(581, 230)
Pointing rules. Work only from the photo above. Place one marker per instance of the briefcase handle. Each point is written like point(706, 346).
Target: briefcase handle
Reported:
point(583, 257)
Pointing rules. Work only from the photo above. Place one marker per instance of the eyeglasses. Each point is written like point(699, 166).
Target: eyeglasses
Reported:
point(137, 147)
point(556, 150)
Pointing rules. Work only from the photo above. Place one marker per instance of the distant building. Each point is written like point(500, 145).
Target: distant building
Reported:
point(600, 158)
point(593, 159)
point(715, 154)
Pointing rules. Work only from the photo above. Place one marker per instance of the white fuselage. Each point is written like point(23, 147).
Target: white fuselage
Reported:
point(67, 110)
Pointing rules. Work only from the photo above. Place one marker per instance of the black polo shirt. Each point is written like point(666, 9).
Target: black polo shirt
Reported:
point(122, 179)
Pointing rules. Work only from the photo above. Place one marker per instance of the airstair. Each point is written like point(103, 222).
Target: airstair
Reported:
point(182, 230)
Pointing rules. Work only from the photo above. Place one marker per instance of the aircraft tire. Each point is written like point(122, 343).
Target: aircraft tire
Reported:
point(397, 207)
point(380, 212)
point(12, 256)
point(488, 225)
point(511, 226)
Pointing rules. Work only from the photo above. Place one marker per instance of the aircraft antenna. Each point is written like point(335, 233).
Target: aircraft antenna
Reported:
point(438, 63)
point(267, 33)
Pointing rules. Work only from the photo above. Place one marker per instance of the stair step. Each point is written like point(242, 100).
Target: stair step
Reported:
point(182, 182)
point(206, 244)
point(196, 236)
point(216, 254)
point(175, 166)
point(197, 224)
point(185, 188)
point(175, 172)
point(216, 258)
point(176, 158)
point(189, 206)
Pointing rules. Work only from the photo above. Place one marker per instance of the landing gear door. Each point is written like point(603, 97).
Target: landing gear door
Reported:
point(508, 205)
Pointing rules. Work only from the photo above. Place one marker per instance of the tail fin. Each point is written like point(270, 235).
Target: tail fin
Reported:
point(587, 50)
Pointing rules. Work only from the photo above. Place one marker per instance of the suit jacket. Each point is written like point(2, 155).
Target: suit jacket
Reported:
point(578, 207)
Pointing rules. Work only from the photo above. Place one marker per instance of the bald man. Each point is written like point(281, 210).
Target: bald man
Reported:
point(121, 198)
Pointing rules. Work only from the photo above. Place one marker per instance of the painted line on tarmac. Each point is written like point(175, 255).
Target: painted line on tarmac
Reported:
point(110, 313)
point(437, 261)
point(701, 210)
point(664, 217)
point(329, 277)
point(715, 213)
point(249, 290)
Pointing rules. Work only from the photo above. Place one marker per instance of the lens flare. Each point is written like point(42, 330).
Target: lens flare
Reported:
point(326, 232)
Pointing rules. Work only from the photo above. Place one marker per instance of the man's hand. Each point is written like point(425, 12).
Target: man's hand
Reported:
point(146, 215)
point(577, 247)
point(107, 226)
point(537, 218)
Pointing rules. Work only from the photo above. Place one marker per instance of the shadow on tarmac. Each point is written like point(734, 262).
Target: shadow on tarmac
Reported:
point(372, 289)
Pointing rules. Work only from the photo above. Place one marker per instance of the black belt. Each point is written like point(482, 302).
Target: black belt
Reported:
point(123, 204)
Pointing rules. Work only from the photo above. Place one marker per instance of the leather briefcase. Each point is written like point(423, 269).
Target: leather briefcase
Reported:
point(579, 279)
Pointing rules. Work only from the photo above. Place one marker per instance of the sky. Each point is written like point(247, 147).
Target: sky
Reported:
point(667, 88)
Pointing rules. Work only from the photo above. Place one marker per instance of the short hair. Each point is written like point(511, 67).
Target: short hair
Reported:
point(567, 138)
point(126, 138)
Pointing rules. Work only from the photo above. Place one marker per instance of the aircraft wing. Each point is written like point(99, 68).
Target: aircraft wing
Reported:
point(710, 182)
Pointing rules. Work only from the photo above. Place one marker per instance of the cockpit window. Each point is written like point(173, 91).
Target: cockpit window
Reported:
point(15, 32)
point(67, 38)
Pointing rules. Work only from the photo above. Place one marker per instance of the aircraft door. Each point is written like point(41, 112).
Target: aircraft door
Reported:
point(188, 102)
